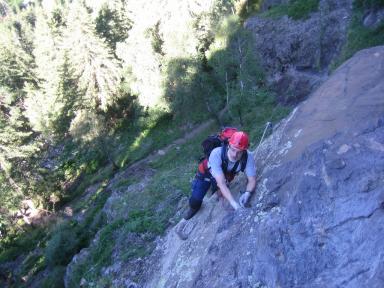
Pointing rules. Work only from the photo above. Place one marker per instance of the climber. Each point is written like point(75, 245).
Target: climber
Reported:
point(223, 164)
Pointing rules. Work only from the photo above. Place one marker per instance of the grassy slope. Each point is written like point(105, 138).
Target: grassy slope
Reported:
point(152, 208)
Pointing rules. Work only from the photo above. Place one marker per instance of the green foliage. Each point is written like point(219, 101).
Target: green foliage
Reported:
point(97, 70)
point(20, 241)
point(153, 130)
point(296, 9)
point(124, 109)
point(235, 67)
point(244, 8)
point(113, 24)
point(55, 278)
point(15, 133)
point(99, 257)
point(360, 37)
point(32, 264)
point(70, 236)
point(57, 20)
point(300, 9)
point(15, 4)
point(49, 105)
point(91, 130)
point(156, 39)
point(140, 221)
point(368, 4)
point(16, 149)
point(62, 246)
point(65, 240)
point(16, 64)
point(184, 91)
point(50, 109)
point(196, 87)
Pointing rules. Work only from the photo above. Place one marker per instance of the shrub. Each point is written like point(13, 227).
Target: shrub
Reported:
point(55, 279)
point(368, 4)
point(296, 9)
point(62, 246)
point(360, 37)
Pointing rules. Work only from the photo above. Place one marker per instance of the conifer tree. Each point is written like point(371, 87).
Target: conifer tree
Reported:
point(49, 105)
point(235, 68)
point(17, 143)
point(97, 70)
point(112, 23)
point(4, 8)
point(16, 64)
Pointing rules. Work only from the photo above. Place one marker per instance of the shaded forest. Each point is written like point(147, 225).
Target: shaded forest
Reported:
point(83, 83)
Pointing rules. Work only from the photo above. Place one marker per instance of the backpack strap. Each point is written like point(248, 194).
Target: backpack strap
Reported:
point(224, 158)
point(224, 161)
point(243, 161)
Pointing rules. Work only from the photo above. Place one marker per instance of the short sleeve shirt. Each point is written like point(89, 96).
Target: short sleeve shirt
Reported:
point(214, 164)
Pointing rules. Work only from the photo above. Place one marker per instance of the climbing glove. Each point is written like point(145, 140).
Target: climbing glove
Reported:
point(244, 199)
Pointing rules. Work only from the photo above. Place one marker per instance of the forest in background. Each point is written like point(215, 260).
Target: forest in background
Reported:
point(84, 82)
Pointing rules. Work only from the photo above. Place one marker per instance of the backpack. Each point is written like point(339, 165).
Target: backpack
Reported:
point(220, 140)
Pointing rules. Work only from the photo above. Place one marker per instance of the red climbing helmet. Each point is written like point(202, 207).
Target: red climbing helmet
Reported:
point(239, 140)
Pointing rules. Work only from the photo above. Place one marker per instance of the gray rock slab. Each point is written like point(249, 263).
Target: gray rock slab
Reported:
point(317, 217)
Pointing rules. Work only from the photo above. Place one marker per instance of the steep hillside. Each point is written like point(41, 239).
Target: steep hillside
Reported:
point(317, 217)
point(297, 53)
point(319, 182)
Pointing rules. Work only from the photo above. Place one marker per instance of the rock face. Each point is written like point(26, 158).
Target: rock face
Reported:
point(373, 18)
point(317, 219)
point(297, 54)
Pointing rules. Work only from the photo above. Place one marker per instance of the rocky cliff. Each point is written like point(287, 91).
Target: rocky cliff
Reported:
point(317, 217)
point(297, 54)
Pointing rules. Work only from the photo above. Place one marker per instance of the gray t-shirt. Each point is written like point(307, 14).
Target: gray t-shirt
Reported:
point(214, 164)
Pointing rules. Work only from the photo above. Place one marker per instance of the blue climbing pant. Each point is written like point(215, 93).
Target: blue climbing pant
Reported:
point(200, 186)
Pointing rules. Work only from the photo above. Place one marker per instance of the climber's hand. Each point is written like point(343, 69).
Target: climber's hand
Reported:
point(244, 198)
point(235, 205)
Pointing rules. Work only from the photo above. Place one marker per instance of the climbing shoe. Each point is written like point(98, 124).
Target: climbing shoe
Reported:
point(190, 213)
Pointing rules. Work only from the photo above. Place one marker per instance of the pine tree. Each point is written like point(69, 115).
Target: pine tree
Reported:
point(49, 105)
point(16, 70)
point(4, 8)
point(16, 64)
point(112, 23)
point(17, 143)
point(95, 66)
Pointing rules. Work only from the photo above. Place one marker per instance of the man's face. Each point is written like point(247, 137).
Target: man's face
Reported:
point(234, 154)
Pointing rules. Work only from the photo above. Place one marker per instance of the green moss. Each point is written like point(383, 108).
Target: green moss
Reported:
point(296, 9)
